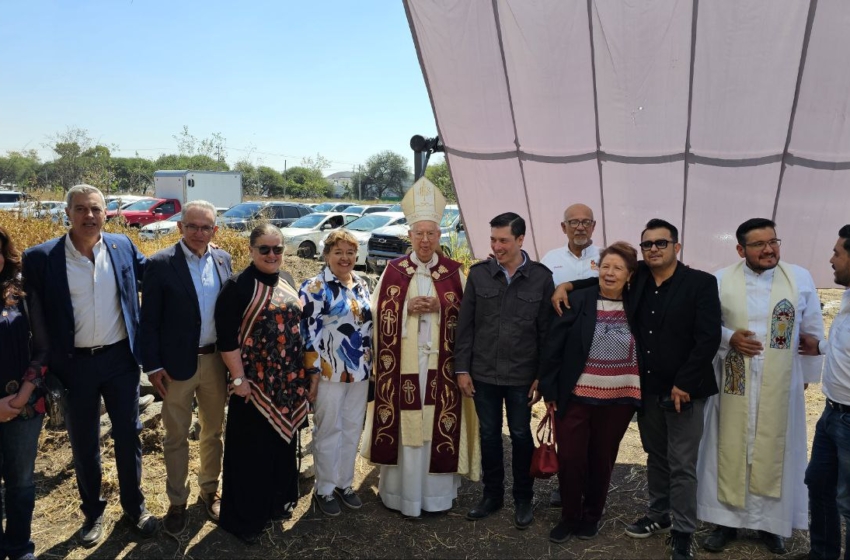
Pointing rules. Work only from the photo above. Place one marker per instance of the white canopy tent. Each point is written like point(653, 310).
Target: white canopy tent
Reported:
point(702, 113)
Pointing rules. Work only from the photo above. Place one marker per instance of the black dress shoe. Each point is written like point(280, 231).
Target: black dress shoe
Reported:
point(145, 525)
point(719, 538)
point(774, 543)
point(484, 508)
point(91, 532)
point(524, 515)
point(555, 498)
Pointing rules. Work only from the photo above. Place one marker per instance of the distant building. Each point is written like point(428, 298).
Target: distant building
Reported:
point(340, 181)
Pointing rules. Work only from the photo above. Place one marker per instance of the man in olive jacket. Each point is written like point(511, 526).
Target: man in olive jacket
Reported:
point(504, 317)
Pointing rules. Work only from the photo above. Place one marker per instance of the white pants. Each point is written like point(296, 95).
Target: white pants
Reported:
point(340, 410)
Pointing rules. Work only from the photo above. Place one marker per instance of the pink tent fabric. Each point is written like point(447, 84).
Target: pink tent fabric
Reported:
point(701, 113)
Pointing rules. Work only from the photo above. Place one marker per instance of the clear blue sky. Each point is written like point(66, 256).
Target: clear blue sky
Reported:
point(286, 78)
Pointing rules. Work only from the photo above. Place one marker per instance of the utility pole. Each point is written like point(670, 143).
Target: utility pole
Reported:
point(284, 179)
point(359, 183)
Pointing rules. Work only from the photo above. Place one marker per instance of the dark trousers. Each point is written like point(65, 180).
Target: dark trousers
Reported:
point(671, 441)
point(18, 446)
point(589, 439)
point(828, 479)
point(113, 375)
point(488, 405)
point(259, 472)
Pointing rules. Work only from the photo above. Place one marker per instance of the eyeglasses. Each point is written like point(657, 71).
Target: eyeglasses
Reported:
point(576, 223)
point(192, 228)
point(265, 249)
point(759, 245)
point(660, 243)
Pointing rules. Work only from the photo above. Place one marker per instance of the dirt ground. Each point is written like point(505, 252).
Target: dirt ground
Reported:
point(372, 531)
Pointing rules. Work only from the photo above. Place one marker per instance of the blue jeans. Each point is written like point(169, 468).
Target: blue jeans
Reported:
point(18, 446)
point(488, 405)
point(828, 479)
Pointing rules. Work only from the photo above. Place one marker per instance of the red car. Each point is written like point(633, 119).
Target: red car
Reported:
point(146, 212)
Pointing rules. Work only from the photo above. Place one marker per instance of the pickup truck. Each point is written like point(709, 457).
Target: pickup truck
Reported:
point(146, 212)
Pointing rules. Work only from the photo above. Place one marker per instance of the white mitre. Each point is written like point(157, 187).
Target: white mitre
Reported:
point(423, 201)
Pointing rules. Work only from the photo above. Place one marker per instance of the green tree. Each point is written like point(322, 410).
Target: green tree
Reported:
point(197, 162)
point(96, 164)
point(69, 168)
point(439, 175)
point(133, 174)
point(271, 181)
point(20, 169)
point(384, 174)
point(303, 182)
point(250, 177)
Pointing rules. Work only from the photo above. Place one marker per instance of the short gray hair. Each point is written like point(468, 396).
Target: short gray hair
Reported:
point(199, 205)
point(83, 189)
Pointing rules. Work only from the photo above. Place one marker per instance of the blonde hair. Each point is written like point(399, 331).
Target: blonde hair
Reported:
point(337, 236)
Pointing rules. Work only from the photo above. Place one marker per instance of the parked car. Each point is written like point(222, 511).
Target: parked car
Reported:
point(159, 229)
point(242, 216)
point(332, 206)
point(391, 242)
point(145, 212)
point(12, 200)
point(303, 236)
point(362, 229)
point(42, 209)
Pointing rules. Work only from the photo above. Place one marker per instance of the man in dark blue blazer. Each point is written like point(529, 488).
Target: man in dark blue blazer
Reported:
point(177, 340)
point(88, 284)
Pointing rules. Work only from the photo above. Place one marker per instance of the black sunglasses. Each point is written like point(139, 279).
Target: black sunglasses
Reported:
point(660, 243)
point(264, 249)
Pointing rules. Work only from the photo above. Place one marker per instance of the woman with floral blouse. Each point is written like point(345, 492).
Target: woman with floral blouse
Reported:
point(337, 330)
point(258, 323)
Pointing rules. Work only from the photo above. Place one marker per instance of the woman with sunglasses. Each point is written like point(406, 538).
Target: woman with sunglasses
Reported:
point(22, 351)
point(258, 323)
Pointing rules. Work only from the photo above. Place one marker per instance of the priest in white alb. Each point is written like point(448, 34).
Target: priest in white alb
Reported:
point(420, 429)
point(752, 458)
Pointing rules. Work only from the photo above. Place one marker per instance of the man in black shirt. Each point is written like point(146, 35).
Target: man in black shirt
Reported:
point(678, 333)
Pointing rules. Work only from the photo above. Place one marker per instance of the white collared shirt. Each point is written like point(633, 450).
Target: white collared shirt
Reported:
point(566, 267)
point(836, 369)
point(98, 319)
point(207, 286)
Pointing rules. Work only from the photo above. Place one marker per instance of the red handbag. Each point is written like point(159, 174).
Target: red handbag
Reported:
point(544, 461)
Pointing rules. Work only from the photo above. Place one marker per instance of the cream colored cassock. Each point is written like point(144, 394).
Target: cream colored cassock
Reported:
point(773, 515)
point(398, 486)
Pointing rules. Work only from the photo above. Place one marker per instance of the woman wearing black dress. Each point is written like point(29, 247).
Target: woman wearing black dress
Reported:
point(258, 317)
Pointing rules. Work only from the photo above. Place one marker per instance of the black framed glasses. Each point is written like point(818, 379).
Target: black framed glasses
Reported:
point(760, 245)
point(265, 249)
point(193, 228)
point(660, 243)
point(576, 223)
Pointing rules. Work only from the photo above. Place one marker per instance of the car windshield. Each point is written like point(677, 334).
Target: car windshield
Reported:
point(141, 205)
point(175, 218)
point(355, 209)
point(308, 221)
point(112, 205)
point(449, 215)
point(323, 207)
point(368, 223)
point(242, 210)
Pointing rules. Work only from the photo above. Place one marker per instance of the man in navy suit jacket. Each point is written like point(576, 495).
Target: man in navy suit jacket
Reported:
point(177, 340)
point(88, 284)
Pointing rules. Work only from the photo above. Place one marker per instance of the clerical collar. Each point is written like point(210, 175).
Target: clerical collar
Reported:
point(425, 266)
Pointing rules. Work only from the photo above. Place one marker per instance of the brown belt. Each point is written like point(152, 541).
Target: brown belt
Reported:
point(204, 350)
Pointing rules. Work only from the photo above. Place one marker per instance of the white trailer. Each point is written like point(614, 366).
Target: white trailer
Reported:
point(222, 188)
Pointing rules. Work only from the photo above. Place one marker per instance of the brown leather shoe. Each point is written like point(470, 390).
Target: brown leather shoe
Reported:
point(213, 503)
point(176, 520)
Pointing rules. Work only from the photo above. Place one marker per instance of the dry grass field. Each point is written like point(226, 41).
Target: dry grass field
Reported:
point(372, 531)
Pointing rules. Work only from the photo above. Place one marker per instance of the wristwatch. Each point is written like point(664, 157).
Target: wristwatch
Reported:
point(238, 381)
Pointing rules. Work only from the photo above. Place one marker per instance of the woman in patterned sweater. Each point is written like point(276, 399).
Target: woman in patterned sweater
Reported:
point(589, 375)
point(337, 329)
point(258, 322)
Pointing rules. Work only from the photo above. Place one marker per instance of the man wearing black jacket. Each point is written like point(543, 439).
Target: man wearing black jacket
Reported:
point(677, 310)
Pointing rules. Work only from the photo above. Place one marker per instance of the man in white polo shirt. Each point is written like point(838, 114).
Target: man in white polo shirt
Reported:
point(577, 260)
